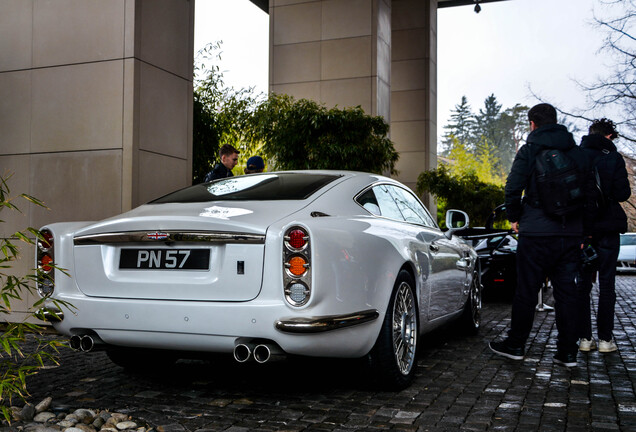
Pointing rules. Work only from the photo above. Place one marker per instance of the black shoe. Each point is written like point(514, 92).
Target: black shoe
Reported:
point(504, 349)
point(565, 359)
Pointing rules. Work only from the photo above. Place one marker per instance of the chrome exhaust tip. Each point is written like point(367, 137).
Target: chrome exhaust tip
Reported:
point(75, 342)
point(90, 343)
point(242, 352)
point(265, 352)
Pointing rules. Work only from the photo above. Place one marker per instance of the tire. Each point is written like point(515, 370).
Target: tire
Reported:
point(470, 320)
point(142, 360)
point(393, 357)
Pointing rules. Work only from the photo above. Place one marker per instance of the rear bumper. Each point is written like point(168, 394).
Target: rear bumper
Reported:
point(217, 326)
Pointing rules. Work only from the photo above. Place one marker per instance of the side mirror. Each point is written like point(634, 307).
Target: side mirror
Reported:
point(456, 220)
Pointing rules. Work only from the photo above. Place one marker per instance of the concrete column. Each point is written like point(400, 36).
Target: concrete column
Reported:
point(336, 52)
point(95, 106)
point(95, 103)
point(414, 87)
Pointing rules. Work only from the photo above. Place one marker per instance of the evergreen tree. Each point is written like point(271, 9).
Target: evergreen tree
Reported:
point(487, 131)
point(492, 135)
point(461, 126)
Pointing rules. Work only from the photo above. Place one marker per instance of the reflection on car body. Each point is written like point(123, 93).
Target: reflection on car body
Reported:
point(311, 263)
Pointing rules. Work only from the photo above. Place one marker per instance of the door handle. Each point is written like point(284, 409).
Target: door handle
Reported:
point(463, 264)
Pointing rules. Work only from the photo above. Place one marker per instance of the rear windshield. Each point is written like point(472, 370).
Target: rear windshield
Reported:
point(255, 187)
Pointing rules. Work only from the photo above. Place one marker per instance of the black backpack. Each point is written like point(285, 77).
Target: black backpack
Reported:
point(559, 183)
point(601, 200)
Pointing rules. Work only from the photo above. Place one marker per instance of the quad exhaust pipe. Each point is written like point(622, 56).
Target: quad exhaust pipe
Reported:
point(261, 353)
point(86, 343)
point(243, 352)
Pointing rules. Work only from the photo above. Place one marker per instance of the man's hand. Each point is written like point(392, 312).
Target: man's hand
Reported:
point(515, 226)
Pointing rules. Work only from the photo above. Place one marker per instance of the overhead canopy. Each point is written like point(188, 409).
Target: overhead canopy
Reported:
point(451, 3)
point(264, 4)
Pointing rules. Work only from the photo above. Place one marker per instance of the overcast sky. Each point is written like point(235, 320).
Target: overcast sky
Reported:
point(506, 49)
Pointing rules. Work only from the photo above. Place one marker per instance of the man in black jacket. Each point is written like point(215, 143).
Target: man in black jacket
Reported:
point(548, 246)
point(606, 228)
point(229, 159)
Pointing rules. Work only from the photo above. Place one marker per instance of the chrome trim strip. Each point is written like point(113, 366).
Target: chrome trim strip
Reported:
point(172, 236)
point(325, 323)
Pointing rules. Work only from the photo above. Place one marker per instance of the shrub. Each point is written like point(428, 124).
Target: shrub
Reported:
point(464, 192)
point(301, 134)
point(17, 360)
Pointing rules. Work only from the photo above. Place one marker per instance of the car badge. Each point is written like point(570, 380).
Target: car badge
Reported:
point(157, 235)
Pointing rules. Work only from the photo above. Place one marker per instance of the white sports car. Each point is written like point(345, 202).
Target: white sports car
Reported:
point(312, 263)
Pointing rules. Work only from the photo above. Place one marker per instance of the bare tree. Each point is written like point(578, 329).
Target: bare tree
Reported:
point(618, 87)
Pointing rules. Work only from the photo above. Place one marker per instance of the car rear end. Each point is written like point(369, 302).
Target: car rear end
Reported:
point(194, 276)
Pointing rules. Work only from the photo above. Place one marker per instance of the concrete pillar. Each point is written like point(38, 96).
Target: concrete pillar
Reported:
point(379, 54)
point(336, 52)
point(95, 102)
point(414, 87)
point(95, 106)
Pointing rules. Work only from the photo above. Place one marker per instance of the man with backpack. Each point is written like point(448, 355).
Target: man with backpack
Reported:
point(547, 192)
point(612, 187)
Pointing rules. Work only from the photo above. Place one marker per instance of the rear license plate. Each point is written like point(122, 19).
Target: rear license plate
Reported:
point(165, 259)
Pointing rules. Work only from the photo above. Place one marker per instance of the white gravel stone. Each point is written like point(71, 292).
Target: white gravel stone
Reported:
point(126, 425)
point(43, 417)
point(85, 415)
point(44, 405)
point(119, 416)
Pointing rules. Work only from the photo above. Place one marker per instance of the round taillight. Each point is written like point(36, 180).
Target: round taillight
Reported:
point(297, 239)
point(45, 263)
point(298, 293)
point(297, 265)
point(46, 240)
point(45, 287)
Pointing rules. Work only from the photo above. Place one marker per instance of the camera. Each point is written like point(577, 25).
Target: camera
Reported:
point(588, 255)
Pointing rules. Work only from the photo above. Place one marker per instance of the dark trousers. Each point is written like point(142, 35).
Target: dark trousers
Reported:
point(556, 258)
point(607, 247)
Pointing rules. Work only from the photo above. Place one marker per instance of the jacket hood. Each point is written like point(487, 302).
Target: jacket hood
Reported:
point(554, 136)
point(597, 142)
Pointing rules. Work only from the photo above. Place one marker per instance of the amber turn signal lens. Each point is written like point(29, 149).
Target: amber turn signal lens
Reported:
point(45, 263)
point(297, 265)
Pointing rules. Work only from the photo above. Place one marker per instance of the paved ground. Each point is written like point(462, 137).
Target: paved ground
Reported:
point(460, 385)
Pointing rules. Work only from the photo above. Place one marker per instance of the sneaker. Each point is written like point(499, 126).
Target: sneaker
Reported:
point(504, 349)
point(606, 346)
point(587, 345)
point(565, 359)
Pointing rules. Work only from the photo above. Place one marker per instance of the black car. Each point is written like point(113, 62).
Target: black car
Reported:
point(497, 250)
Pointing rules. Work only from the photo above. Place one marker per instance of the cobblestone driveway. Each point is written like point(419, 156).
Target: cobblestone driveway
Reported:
point(460, 385)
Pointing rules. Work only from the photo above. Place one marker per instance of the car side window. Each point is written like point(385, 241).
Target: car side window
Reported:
point(388, 206)
point(369, 202)
point(412, 210)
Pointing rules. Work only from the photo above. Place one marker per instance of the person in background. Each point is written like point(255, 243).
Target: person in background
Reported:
point(548, 246)
point(255, 164)
point(229, 159)
point(609, 222)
